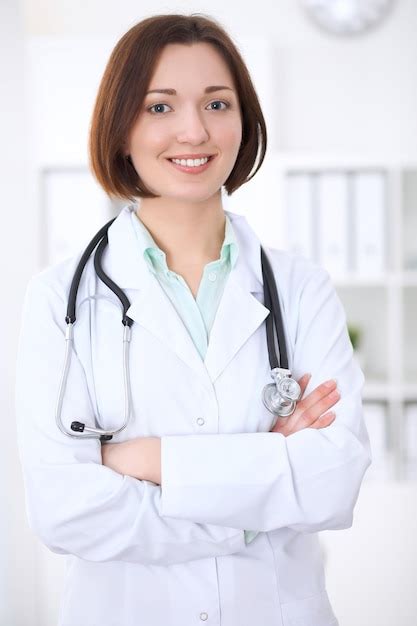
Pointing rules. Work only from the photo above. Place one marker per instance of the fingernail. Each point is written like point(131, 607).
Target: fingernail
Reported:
point(330, 383)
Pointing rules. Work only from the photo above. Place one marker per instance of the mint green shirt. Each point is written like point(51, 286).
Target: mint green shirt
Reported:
point(197, 313)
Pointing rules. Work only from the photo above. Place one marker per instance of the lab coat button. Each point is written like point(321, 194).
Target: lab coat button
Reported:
point(200, 421)
point(212, 276)
point(203, 616)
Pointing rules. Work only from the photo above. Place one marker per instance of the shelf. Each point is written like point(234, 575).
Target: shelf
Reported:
point(382, 391)
point(333, 160)
point(380, 304)
point(352, 280)
point(409, 278)
point(396, 279)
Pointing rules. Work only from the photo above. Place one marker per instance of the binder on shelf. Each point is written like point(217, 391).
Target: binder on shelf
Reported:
point(299, 214)
point(409, 197)
point(333, 222)
point(369, 201)
point(410, 440)
point(375, 417)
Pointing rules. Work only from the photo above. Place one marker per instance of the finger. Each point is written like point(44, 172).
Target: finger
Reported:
point(309, 409)
point(303, 382)
point(324, 420)
point(303, 417)
point(317, 394)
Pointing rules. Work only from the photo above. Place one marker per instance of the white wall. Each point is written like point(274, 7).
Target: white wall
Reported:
point(18, 250)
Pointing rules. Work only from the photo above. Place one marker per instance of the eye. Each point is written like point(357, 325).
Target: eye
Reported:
point(161, 104)
point(227, 105)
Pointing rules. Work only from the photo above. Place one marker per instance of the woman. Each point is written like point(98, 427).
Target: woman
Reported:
point(205, 508)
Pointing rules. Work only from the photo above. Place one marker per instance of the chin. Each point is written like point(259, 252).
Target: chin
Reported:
point(189, 194)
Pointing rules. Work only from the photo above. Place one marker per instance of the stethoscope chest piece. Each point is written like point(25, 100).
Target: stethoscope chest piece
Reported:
point(280, 397)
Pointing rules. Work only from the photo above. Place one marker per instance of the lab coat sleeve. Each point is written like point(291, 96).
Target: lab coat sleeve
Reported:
point(308, 481)
point(75, 504)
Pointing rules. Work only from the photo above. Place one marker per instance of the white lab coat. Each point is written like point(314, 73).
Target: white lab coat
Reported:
point(174, 554)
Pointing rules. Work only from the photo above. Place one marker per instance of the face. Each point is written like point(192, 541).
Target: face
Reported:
point(189, 122)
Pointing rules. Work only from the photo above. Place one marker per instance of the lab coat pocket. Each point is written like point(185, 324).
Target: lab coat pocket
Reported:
point(315, 610)
point(299, 568)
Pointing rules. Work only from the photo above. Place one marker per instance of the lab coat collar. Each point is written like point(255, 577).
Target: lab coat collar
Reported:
point(239, 314)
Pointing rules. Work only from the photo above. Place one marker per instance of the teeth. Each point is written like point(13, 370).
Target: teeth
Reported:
point(190, 162)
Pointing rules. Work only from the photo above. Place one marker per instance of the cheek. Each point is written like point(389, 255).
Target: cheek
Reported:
point(148, 138)
point(231, 133)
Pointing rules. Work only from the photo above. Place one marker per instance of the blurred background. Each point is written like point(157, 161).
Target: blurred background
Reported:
point(337, 81)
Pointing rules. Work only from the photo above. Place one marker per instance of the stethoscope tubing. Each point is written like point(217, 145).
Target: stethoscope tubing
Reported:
point(105, 435)
point(272, 303)
point(100, 241)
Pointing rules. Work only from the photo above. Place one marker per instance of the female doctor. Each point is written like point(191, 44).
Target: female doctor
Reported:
point(206, 507)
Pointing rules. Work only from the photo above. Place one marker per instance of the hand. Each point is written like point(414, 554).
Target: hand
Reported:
point(124, 457)
point(111, 456)
point(309, 411)
point(139, 458)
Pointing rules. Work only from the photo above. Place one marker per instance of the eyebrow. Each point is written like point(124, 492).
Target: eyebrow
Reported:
point(172, 92)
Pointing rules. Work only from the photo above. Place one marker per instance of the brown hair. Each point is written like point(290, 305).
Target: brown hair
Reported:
point(122, 91)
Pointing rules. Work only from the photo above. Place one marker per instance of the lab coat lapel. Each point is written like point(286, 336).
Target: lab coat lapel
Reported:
point(239, 314)
point(153, 310)
point(150, 307)
point(240, 311)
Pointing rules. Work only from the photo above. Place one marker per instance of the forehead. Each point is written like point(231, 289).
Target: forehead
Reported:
point(196, 65)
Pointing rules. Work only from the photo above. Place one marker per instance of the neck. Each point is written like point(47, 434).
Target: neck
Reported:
point(189, 236)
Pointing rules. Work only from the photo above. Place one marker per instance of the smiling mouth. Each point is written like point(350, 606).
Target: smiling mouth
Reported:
point(192, 169)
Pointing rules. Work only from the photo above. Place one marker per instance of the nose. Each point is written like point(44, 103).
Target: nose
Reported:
point(193, 126)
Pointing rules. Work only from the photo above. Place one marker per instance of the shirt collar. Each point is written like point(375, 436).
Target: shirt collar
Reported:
point(124, 262)
point(156, 258)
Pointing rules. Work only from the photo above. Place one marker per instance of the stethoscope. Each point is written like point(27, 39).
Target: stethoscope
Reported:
point(279, 397)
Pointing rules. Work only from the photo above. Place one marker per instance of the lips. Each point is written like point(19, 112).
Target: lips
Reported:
point(209, 157)
point(192, 169)
point(193, 156)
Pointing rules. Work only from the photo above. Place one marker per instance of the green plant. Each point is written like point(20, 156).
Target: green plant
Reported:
point(355, 334)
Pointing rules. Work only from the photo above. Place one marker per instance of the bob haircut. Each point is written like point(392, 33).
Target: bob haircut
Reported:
point(123, 88)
